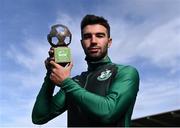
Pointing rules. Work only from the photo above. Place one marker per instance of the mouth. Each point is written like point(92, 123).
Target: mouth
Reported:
point(93, 49)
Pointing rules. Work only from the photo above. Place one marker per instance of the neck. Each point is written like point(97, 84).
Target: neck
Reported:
point(92, 65)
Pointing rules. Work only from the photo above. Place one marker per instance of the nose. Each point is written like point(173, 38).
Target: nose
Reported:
point(93, 39)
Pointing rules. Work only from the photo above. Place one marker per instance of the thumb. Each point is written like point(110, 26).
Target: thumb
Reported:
point(69, 65)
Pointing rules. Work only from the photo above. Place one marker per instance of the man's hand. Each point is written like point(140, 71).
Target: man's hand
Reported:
point(50, 58)
point(59, 73)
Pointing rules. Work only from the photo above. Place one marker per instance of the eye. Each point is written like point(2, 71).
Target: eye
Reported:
point(100, 35)
point(87, 36)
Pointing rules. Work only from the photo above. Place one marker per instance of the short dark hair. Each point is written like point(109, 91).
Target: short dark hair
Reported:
point(93, 19)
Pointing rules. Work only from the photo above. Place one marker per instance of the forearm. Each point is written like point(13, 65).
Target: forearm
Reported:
point(47, 106)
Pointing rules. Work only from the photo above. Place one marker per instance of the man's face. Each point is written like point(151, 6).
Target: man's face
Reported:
point(95, 41)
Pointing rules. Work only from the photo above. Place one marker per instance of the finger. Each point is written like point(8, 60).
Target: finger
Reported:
point(48, 59)
point(51, 59)
point(52, 48)
point(46, 62)
point(69, 65)
point(53, 63)
point(52, 76)
point(51, 52)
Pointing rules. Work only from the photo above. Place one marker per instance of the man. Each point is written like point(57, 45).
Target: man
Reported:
point(103, 96)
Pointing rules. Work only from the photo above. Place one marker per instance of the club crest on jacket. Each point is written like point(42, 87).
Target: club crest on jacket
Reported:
point(104, 75)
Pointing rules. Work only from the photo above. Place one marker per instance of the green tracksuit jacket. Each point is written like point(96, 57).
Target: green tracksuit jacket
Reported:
point(103, 96)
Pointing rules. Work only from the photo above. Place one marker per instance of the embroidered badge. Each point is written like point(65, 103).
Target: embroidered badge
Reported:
point(104, 75)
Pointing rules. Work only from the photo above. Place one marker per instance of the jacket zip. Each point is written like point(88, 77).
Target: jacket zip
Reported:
point(87, 79)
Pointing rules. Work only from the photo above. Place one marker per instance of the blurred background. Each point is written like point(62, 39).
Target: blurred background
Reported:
point(146, 35)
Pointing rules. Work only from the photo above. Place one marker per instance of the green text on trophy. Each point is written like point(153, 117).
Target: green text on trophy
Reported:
point(62, 55)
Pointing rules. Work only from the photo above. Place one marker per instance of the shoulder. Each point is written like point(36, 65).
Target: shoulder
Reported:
point(127, 71)
point(128, 76)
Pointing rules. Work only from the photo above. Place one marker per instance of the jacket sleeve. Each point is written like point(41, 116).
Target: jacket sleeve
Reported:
point(121, 96)
point(47, 106)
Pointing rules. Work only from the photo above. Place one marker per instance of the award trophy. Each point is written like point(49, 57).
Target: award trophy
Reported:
point(59, 38)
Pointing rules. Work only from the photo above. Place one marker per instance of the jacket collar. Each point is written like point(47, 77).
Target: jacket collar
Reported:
point(92, 65)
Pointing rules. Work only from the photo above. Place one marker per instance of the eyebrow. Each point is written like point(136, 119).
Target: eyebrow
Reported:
point(98, 33)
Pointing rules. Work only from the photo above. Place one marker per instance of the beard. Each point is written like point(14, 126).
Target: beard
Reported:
point(97, 55)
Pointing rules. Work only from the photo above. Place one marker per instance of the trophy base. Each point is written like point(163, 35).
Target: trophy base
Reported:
point(63, 64)
point(62, 55)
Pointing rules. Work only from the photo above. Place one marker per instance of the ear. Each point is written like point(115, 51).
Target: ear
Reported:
point(109, 42)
